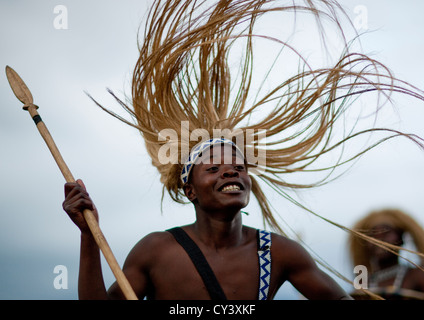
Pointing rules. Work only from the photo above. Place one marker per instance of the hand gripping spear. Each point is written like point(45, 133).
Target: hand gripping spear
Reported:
point(22, 92)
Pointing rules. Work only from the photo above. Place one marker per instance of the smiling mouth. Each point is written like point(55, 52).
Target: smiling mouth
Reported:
point(231, 187)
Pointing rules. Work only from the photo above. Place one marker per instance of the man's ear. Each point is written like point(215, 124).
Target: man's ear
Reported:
point(189, 192)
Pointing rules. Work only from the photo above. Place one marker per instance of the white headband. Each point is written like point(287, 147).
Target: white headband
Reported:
point(198, 150)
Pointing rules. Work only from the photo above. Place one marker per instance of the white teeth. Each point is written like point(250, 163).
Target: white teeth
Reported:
point(231, 188)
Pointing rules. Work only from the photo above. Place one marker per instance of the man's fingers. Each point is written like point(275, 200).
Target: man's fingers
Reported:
point(71, 185)
point(72, 188)
point(76, 197)
point(79, 181)
point(77, 205)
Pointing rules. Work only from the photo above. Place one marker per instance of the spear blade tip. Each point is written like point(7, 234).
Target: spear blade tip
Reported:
point(18, 86)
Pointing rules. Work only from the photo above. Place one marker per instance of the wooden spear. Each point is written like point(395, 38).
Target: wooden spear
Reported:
point(22, 92)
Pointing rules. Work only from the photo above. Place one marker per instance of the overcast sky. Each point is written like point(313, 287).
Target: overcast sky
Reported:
point(97, 51)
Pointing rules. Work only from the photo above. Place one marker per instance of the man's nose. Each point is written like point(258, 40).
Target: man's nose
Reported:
point(229, 172)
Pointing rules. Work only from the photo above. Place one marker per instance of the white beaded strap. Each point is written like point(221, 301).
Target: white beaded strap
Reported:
point(264, 253)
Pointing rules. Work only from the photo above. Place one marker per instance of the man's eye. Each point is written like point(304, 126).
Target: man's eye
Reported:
point(212, 168)
point(241, 168)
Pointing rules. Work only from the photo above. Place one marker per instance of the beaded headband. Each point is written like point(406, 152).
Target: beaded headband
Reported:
point(197, 151)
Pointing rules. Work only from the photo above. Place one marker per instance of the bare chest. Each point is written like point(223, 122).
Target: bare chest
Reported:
point(174, 275)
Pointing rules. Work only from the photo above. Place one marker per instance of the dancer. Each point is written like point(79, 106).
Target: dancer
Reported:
point(236, 257)
point(197, 88)
point(388, 275)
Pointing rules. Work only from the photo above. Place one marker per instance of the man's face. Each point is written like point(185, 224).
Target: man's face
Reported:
point(387, 233)
point(219, 182)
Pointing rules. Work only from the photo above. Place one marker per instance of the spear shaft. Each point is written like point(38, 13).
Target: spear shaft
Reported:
point(24, 95)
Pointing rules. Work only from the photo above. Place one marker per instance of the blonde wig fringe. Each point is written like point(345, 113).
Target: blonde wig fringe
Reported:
point(187, 72)
point(183, 74)
point(391, 217)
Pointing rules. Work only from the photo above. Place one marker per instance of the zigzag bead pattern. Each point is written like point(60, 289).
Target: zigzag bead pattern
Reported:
point(264, 254)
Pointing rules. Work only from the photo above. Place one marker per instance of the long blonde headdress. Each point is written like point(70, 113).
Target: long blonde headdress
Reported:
point(393, 217)
point(198, 70)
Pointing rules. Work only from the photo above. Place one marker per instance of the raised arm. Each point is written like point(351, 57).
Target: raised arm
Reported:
point(90, 282)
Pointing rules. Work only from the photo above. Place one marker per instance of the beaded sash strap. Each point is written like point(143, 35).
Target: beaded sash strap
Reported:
point(264, 253)
point(209, 279)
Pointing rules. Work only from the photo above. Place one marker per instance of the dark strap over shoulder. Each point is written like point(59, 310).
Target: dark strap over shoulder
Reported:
point(199, 261)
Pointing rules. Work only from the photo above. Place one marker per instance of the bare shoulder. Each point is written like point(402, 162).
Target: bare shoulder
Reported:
point(289, 253)
point(285, 245)
point(414, 280)
point(155, 238)
point(150, 247)
point(294, 263)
